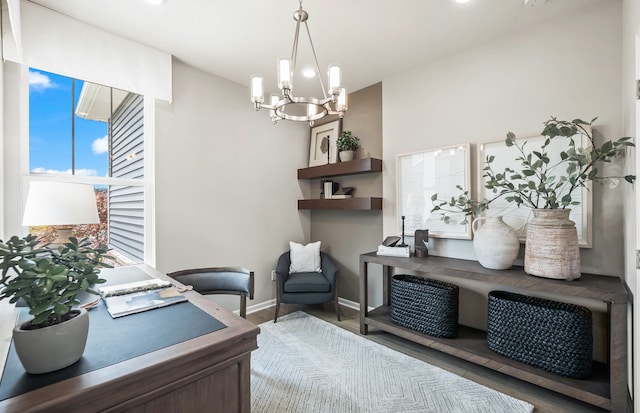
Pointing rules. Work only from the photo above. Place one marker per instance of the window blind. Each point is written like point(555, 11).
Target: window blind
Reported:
point(44, 39)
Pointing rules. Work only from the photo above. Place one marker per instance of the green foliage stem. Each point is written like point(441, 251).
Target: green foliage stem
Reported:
point(538, 183)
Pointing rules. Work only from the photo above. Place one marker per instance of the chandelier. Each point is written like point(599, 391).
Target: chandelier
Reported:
point(303, 109)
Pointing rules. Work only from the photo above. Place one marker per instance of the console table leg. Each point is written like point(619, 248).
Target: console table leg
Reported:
point(364, 296)
point(387, 275)
point(618, 355)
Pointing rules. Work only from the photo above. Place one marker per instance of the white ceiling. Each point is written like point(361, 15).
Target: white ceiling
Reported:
point(371, 39)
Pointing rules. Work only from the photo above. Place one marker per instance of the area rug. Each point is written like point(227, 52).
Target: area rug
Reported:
point(304, 364)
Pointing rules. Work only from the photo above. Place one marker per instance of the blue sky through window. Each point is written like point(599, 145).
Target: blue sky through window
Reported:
point(50, 113)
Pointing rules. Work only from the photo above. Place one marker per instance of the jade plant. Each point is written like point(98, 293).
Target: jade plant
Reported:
point(540, 182)
point(347, 141)
point(49, 279)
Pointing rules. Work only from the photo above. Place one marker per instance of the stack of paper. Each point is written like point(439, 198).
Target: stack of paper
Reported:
point(394, 251)
point(135, 297)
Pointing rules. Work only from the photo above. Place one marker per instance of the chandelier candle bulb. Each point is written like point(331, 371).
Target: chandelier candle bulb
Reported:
point(341, 104)
point(257, 94)
point(284, 73)
point(335, 75)
point(273, 100)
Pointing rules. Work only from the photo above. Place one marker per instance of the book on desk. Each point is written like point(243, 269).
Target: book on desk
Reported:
point(135, 297)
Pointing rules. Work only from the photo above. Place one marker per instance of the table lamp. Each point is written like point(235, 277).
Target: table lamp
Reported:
point(63, 204)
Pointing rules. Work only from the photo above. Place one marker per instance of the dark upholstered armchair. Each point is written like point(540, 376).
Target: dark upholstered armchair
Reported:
point(306, 287)
point(219, 280)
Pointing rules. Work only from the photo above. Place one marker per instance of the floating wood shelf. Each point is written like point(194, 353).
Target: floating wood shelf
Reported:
point(348, 203)
point(357, 166)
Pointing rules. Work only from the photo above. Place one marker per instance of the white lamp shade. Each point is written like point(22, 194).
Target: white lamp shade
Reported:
point(60, 203)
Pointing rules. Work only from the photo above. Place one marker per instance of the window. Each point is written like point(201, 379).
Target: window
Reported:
point(90, 133)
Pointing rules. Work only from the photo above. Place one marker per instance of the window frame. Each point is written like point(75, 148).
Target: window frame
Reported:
point(148, 182)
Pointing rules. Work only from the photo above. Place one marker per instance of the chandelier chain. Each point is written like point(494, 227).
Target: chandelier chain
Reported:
point(313, 50)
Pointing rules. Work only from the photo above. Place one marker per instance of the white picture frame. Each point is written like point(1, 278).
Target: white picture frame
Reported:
point(422, 174)
point(515, 216)
point(323, 147)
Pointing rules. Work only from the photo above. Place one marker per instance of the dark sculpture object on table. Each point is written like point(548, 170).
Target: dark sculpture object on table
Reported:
point(421, 239)
point(402, 244)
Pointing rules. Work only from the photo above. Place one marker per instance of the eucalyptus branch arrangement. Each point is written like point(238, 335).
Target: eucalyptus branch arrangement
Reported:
point(48, 279)
point(539, 182)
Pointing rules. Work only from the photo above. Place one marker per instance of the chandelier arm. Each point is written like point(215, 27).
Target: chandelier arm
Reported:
point(315, 57)
point(294, 51)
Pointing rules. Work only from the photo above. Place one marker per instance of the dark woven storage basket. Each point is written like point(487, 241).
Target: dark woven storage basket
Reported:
point(424, 305)
point(553, 336)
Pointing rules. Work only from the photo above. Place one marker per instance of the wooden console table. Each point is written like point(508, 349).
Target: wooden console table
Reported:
point(607, 386)
point(207, 373)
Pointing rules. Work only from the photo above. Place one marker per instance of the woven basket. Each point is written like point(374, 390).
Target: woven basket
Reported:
point(424, 305)
point(553, 336)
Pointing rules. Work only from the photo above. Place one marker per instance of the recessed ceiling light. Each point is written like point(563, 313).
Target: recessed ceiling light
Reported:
point(462, 1)
point(308, 73)
point(156, 2)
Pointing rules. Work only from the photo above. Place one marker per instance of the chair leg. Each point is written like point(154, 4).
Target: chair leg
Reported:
point(243, 306)
point(335, 303)
point(275, 318)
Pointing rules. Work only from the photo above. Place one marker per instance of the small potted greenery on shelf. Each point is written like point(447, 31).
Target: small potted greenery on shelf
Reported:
point(347, 143)
point(48, 280)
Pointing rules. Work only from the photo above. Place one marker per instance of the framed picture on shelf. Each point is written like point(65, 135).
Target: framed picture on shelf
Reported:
point(323, 149)
point(433, 171)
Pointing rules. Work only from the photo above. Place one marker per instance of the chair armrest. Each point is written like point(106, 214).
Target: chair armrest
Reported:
point(282, 269)
point(329, 268)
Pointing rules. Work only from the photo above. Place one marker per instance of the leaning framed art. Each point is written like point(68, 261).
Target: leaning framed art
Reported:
point(322, 148)
point(434, 171)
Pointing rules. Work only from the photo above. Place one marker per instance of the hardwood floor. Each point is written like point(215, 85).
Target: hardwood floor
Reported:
point(544, 401)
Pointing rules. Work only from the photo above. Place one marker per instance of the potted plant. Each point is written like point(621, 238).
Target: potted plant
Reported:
point(48, 281)
point(347, 143)
point(551, 248)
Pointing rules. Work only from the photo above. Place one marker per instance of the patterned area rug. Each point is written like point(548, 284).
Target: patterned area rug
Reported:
point(304, 364)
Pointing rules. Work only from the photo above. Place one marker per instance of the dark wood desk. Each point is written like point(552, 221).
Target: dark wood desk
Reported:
point(606, 388)
point(209, 373)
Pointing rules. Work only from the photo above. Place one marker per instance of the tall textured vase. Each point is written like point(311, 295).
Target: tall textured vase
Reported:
point(495, 243)
point(551, 249)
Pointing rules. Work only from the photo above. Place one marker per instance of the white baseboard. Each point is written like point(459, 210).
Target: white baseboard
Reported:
point(271, 303)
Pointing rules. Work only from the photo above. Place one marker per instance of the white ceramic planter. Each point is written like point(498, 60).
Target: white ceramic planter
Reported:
point(495, 243)
point(52, 348)
point(346, 156)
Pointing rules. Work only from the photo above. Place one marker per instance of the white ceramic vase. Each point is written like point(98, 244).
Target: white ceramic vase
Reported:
point(52, 348)
point(346, 156)
point(495, 243)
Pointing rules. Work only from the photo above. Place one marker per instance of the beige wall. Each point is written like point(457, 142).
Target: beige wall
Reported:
point(566, 68)
point(631, 111)
point(347, 234)
point(226, 187)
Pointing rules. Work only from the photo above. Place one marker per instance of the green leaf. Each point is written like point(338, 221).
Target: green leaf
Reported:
point(61, 309)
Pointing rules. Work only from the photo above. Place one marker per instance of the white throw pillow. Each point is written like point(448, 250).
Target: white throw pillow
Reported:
point(305, 258)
